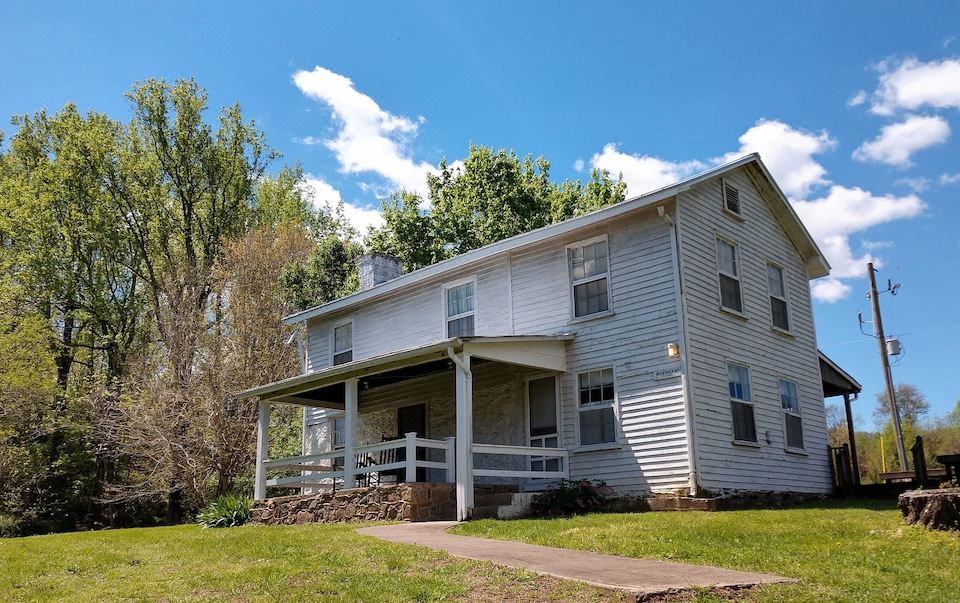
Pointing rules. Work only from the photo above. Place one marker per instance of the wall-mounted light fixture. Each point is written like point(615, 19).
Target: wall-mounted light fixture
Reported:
point(673, 350)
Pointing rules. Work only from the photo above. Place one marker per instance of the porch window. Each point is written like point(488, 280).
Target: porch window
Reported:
point(741, 403)
point(461, 309)
point(596, 415)
point(728, 269)
point(778, 297)
point(589, 276)
point(343, 343)
point(337, 432)
point(790, 402)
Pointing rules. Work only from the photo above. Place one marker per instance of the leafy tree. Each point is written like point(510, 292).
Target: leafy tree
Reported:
point(911, 403)
point(491, 196)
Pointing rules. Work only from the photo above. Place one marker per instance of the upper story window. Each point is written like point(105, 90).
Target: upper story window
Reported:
point(741, 403)
point(790, 402)
point(596, 417)
point(777, 286)
point(589, 277)
point(728, 269)
point(731, 198)
point(460, 301)
point(343, 343)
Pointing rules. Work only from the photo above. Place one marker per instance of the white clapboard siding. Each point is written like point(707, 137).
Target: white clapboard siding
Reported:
point(527, 292)
point(714, 337)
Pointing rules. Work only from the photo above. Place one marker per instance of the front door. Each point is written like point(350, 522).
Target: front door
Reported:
point(543, 426)
point(413, 418)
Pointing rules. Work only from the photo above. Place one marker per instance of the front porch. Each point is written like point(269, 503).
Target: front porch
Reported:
point(409, 417)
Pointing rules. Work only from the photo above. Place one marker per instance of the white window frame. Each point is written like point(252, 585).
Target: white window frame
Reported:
point(333, 340)
point(785, 298)
point(573, 283)
point(526, 406)
point(797, 413)
point(736, 215)
point(738, 261)
point(614, 404)
point(476, 304)
point(750, 403)
point(332, 429)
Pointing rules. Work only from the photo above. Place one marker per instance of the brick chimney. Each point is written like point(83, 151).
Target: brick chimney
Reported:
point(375, 268)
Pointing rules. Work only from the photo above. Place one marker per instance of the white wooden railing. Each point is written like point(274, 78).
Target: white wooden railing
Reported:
point(325, 474)
point(530, 452)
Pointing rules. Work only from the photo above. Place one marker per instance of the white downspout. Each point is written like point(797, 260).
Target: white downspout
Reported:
point(692, 481)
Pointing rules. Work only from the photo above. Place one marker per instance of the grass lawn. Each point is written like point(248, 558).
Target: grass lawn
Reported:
point(255, 563)
point(841, 551)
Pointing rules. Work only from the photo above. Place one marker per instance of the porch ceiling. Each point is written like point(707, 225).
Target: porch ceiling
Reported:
point(325, 387)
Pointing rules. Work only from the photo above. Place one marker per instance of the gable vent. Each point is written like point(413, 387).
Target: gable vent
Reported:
point(731, 198)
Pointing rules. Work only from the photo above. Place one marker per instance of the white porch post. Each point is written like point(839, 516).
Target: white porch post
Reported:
point(464, 437)
point(350, 399)
point(263, 450)
point(410, 473)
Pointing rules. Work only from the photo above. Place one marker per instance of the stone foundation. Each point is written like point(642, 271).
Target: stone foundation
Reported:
point(934, 509)
point(741, 500)
point(395, 502)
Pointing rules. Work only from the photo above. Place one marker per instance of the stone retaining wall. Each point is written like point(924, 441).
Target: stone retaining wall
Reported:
point(403, 502)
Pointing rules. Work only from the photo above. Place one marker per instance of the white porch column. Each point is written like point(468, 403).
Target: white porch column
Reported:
point(351, 397)
point(464, 437)
point(263, 450)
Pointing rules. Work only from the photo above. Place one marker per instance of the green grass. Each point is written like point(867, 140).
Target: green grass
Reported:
point(256, 563)
point(849, 551)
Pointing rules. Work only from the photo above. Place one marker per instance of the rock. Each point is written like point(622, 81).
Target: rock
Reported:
point(933, 509)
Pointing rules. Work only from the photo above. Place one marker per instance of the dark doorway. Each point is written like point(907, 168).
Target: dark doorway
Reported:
point(413, 418)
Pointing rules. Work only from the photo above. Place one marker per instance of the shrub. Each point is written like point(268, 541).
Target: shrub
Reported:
point(226, 512)
point(569, 498)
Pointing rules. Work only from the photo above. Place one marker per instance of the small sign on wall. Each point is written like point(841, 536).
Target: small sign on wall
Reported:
point(666, 374)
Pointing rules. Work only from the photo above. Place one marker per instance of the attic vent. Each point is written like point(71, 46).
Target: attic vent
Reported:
point(731, 198)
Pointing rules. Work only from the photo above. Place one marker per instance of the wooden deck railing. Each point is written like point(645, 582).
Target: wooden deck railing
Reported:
point(530, 452)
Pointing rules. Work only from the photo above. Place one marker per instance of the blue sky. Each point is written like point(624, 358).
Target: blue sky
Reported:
point(853, 107)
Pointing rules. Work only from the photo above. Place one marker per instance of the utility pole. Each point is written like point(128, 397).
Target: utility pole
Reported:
point(887, 375)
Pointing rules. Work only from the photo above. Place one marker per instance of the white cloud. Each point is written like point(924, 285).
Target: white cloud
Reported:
point(578, 165)
point(323, 195)
point(911, 84)
point(917, 185)
point(642, 173)
point(370, 139)
point(844, 211)
point(948, 179)
point(897, 142)
point(857, 99)
point(830, 289)
point(788, 153)
point(309, 140)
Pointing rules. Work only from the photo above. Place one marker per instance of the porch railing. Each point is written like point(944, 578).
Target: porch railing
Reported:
point(327, 473)
point(530, 453)
point(323, 470)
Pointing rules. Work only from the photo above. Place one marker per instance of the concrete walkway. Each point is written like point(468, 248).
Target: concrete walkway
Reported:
point(641, 577)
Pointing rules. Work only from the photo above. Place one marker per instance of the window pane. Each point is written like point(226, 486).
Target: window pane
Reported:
point(789, 399)
point(337, 432)
point(744, 428)
point(461, 327)
point(542, 394)
point(794, 431)
point(727, 257)
point(778, 308)
point(597, 426)
point(460, 299)
point(576, 263)
point(739, 378)
point(596, 387)
point(343, 357)
point(343, 337)
point(590, 298)
point(775, 280)
point(730, 293)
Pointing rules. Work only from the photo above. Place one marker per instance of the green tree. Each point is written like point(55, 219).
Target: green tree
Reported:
point(493, 195)
point(911, 403)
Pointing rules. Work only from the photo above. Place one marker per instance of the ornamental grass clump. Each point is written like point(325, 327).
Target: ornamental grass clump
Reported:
point(569, 498)
point(226, 512)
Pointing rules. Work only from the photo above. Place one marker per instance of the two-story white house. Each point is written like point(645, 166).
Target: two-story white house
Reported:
point(663, 344)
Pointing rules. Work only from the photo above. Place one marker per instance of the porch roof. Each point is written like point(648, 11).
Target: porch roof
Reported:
point(836, 381)
point(536, 351)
